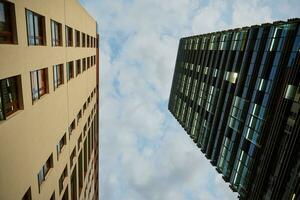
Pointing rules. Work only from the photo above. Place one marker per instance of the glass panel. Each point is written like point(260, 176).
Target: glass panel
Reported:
point(41, 176)
point(34, 85)
point(30, 27)
point(59, 75)
point(53, 33)
point(55, 74)
point(290, 92)
point(42, 81)
point(2, 13)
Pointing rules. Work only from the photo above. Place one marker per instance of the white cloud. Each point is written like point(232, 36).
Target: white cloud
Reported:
point(145, 154)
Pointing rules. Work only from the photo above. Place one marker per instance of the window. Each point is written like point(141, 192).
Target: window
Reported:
point(88, 62)
point(290, 92)
point(60, 145)
point(44, 171)
point(58, 75)
point(69, 36)
point(27, 195)
point(92, 60)
point(83, 65)
point(10, 96)
point(66, 195)
point(36, 34)
point(77, 35)
point(39, 83)
point(74, 185)
point(72, 127)
point(52, 196)
point(56, 33)
point(62, 179)
point(73, 154)
point(87, 41)
point(79, 115)
point(79, 141)
point(85, 157)
point(8, 33)
point(78, 67)
point(70, 70)
point(83, 40)
point(80, 172)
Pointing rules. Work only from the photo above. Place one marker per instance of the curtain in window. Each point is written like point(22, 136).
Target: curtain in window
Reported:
point(55, 76)
point(42, 82)
point(34, 85)
point(30, 27)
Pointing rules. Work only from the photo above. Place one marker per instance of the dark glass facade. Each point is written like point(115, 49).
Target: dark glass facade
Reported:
point(237, 95)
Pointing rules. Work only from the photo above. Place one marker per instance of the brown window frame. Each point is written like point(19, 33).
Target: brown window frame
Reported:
point(27, 195)
point(34, 38)
point(79, 116)
point(70, 73)
point(69, 36)
point(44, 171)
point(62, 177)
point(62, 143)
point(83, 64)
point(41, 91)
point(78, 67)
point(77, 38)
point(8, 34)
point(58, 75)
point(56, 33)
point(12, 100)
point(72, 156)
point(87, 41)
point(83, 39)
point(88, 62)
point(72, 127)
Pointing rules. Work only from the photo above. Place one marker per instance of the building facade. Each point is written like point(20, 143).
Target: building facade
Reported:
point(237, 95)
point(49, 132)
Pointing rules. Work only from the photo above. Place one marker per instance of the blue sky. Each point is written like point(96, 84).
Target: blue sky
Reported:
point(144, 153)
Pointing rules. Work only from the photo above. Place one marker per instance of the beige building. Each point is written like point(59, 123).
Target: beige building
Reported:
point(48, 101)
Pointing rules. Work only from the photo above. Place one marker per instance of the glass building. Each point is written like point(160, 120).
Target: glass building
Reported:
point(237, 95)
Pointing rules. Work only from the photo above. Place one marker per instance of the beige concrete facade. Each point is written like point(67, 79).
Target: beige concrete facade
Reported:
point(30, 135)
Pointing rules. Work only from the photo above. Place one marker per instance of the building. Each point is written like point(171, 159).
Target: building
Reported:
point(237, 95)
point(48, 101)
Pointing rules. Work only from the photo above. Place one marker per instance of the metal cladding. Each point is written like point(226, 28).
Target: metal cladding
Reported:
point(237, 95)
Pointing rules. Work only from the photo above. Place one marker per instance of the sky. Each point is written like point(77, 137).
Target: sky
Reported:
point(144, 152)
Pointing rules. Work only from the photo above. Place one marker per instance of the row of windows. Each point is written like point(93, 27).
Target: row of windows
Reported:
point(11, 89)
point(87, 150)
point(36, 30)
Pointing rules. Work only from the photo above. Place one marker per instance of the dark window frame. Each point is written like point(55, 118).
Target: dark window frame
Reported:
point(27, 195)
point(83, 64)
point(56, 34)
point(12, 97)
point(41, 36)
point(83, 39)
point(9, 28)
point(88, 41)
point(78, 67)
point(44, 171)
point(77, 38)
point(69, 36)
point(58, 75)
point(70, 73)
point(62, 177)
point(41, 90)
point(62, 143)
